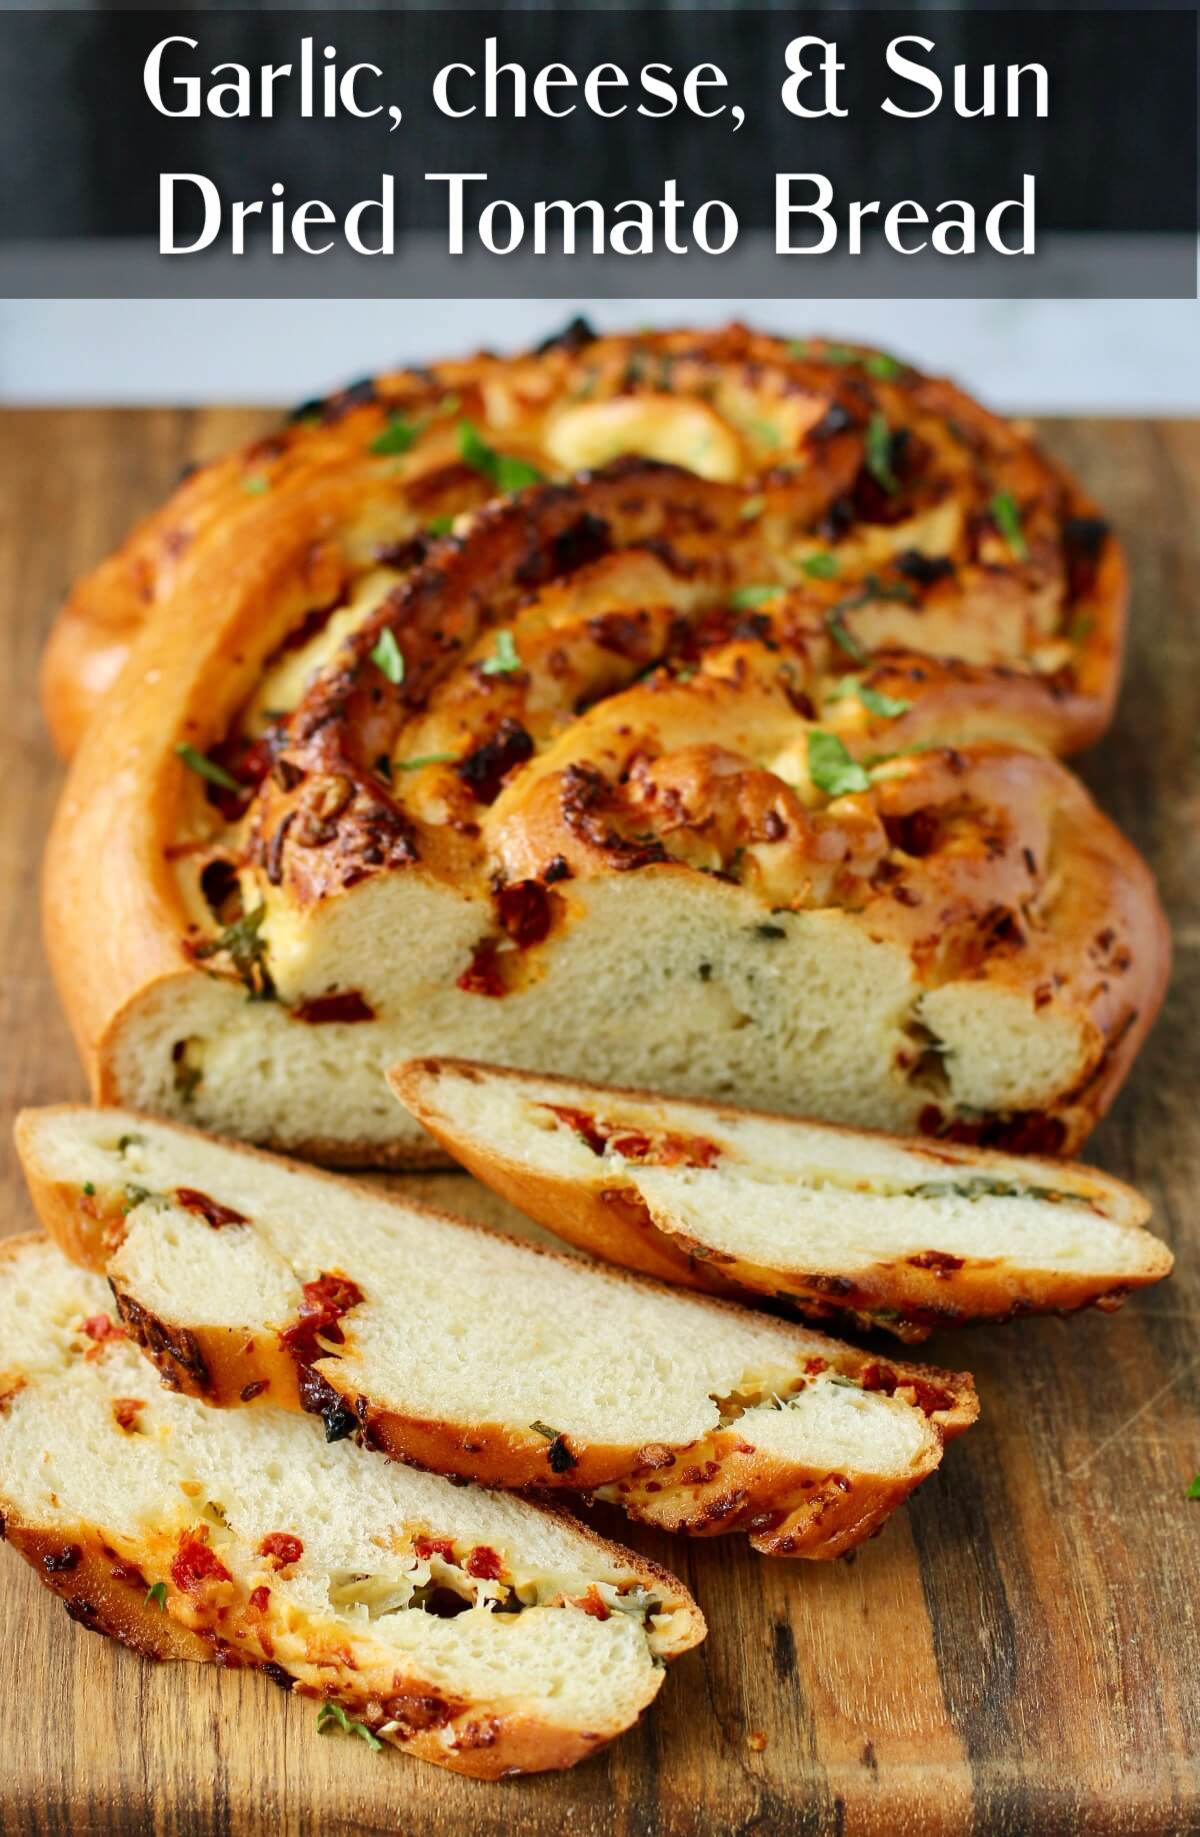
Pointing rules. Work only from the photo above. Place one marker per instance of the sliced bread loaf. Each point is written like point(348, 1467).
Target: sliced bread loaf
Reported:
point(466, 1627)
point(903, 1234)
point(250, 1279)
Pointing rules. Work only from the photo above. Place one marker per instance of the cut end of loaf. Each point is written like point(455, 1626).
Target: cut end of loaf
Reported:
point(908, 1235)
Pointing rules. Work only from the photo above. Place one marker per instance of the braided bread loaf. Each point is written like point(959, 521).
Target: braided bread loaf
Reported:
point(707, 779)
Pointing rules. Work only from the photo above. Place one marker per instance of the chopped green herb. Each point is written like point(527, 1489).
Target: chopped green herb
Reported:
point(89, 1187)
point(835, 625)
point(256, 486)
point(1007, 519)
point(441, 526)
point(882, 367)
point(851, 1384)
point(332, 1714)
point(752, 508)
point(135, 1196)
point(745, 597)
point(831, 768)
point(1193, 1491)
point(157, 1592)
point(889, 706)
point(387, 656)
point(543, 1428)
point(397, 436)
point(766, 431)
point(821, 566)
point(506, 473)
point(415, 765)
point(247, 951)
point(207, 768)
point(504, 659)
point(879, 453)
point(129, 1141)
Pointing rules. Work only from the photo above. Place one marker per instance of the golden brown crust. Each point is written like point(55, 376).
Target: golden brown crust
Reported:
point(107, 1592)
point(740, 405)
point(713, 1486)
point(649, 717)
point(606, 1216)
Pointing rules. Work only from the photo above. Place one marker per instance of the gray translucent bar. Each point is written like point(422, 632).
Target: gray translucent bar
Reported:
point(1067, 266)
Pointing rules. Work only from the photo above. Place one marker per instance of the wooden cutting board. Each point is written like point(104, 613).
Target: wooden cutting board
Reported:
point(1017, 1653)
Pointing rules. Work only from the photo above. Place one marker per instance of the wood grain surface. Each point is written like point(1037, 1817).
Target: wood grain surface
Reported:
point(1017, 1653)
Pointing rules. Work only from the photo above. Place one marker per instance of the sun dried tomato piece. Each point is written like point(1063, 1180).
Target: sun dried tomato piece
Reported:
point(484, 1562)
point(194, 1563)
point(210, 1209)
point(101, 1327)
point(282, 1548)
point(425, 1547)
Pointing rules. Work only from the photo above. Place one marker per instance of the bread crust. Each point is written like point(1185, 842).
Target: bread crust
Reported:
point(714, 1486)
point(663, 779)
point(107, 1594)
point(320, 460)
point(606, 1216)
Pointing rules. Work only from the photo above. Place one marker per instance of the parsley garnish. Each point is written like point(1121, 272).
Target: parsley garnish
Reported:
point(1193, 1491)
point(415, 765)
point(397, 436)
point(89, 1187)
point(879, 453)
point(256, 486)
point(387, 656)
point(1007, 519)
point(882, 367)
point(441, 526)
point(766, 431)
point(752, 508)
point(207, 768)
point(543, 1428)
point(889, 706)
point(247, 951)
point(157, 1592)
point(745, 597)
point(831, 768)
point(821, 566)
point(333, 1713)
point(506, 473)
point(835, 625)
point(504, 659)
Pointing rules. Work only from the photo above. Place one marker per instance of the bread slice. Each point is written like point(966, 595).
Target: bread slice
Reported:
point(466, 1627)
point(252, 1280)
point(900, 1234)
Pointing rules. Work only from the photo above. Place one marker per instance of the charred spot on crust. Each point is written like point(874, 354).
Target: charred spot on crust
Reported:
point(318, 1398)
point(583, 541)
point(915, 832)
point(484, 770)
point(174, 1350)
point(559, 1455)
point(924, 569)
point(61, 1562)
